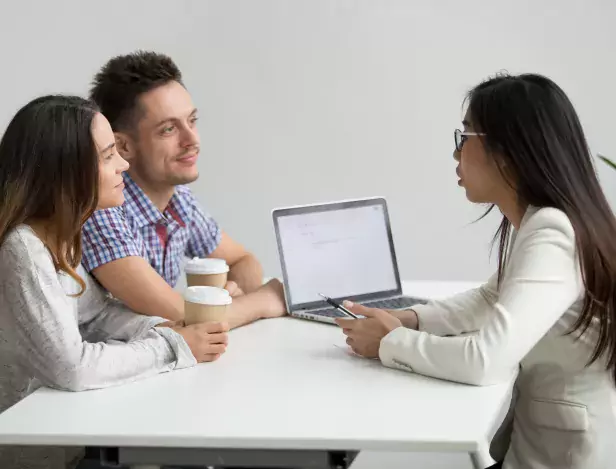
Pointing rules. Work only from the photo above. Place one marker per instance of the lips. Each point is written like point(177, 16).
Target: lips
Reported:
point(190, 158)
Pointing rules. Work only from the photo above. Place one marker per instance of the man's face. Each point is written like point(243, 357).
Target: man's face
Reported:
point(165, 146)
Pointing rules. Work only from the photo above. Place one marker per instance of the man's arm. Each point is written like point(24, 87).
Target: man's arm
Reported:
point(245, 269)
point(207, 239)
point(113, 255)
point(132, 280)
point(140, 287)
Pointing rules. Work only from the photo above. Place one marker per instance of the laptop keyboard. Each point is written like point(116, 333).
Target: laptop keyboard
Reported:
point(392, 303)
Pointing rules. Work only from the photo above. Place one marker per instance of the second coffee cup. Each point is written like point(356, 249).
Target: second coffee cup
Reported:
point(207, 272)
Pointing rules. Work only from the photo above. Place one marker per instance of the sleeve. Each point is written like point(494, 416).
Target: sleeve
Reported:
point(38, 318)
point(542, 281)
point(461, 313)
point(107, 237)
point(205, 234)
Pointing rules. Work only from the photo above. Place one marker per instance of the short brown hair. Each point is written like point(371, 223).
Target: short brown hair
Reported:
point(118, 85)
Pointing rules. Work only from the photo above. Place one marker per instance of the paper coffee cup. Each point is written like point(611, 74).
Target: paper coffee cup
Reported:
point(205, 304)
point(208, 272)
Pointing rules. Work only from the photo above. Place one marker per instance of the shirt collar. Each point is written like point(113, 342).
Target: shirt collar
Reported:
point(143, 210)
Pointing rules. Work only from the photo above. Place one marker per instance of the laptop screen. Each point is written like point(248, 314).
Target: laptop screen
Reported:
point(343, 250)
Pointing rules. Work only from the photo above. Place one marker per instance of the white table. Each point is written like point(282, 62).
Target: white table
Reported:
point(285, 388)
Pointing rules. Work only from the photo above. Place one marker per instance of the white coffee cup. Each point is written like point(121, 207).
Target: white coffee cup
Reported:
point(205, 304)
point(208, 272)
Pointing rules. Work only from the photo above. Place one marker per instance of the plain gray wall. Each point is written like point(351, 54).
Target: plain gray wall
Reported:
point(307, 101)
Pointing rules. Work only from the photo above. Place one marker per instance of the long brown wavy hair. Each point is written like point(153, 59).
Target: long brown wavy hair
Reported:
point(49, 174)
point(532, 128)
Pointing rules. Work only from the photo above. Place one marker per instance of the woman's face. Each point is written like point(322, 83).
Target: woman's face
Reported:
point(478, 171)
point(110, 164)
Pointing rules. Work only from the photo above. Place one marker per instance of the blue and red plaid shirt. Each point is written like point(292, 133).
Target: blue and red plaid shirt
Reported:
point(138, 228)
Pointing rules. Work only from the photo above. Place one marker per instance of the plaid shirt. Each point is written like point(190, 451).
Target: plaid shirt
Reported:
point(138, 228)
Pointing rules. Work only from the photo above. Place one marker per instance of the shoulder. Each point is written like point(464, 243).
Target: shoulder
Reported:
point(547, 219)
point(106, 215)
point(107, 223)
point(547, 227)
point(23, 251)
point(185, 195)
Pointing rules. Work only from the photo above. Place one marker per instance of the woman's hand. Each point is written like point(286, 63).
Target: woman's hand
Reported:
point(207, 340)
point(364, 335)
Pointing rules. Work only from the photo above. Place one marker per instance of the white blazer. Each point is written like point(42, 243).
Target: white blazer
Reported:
point(563, 412)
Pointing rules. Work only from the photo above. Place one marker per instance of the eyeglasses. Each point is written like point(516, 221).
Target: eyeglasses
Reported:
point(460, 137)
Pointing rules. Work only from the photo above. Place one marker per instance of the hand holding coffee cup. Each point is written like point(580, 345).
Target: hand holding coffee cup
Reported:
point(205, 304)
point(208, 272)
point(207, 340)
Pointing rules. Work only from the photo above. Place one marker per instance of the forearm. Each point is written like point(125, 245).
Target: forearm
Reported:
point(102, 365)
point(246, 309)
point(115, 321)
point(247, 273)
point(133, 281)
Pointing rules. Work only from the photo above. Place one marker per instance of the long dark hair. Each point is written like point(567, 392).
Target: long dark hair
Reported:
point(49, 174)
point(534, 132)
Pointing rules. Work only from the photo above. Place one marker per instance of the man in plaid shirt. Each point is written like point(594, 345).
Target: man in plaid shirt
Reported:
point(136, 251)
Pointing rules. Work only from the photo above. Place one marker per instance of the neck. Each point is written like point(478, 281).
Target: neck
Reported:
point(160, 196)
point(512, 210)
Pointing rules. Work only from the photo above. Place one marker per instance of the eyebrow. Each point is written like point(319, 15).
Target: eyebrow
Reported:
point(171, 119)
point(466, 123)
point(108, 147)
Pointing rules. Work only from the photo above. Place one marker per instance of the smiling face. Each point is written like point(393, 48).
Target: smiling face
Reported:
point(164, 147)
point(110, 164)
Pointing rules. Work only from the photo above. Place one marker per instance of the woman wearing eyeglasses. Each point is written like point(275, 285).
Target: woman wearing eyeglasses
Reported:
point(549, 311)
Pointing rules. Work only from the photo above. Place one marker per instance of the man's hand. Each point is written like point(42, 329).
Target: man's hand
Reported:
point(275, 305)
point(364, 335)
point(234, 289)
point(207, 341)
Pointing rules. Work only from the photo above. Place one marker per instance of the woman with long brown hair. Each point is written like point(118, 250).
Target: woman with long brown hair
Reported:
point(549, 312)
point(57, 165)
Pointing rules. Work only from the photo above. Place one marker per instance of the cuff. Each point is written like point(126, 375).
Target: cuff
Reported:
point(427, 317)
point(395, 346)
point(183, 356)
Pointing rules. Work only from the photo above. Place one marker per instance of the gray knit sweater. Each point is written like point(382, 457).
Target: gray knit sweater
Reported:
point(48, 338)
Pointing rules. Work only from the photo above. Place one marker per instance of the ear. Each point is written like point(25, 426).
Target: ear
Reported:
point(125, 145)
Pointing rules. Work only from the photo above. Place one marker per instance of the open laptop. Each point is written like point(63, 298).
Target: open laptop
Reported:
point(344, 250)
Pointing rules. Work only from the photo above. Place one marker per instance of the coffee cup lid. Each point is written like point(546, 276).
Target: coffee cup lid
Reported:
point(208, 296)
point(207, 265)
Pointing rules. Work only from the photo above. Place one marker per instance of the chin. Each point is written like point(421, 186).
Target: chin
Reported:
point(181, 179)
point(110, 202)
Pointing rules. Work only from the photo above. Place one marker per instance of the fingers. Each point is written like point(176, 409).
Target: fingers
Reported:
point(215, 349)
point(210, 357)
point(345, 323)
point(361, 309)
point(233, 289)
point(220, 338)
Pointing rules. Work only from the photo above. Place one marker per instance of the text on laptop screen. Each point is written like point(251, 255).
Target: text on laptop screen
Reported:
point(340, 253)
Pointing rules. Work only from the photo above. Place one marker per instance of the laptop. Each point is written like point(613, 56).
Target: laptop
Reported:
point(344, 250)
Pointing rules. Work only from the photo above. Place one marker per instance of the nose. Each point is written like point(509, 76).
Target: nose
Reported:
point(123, 166)
point(456, 155)
point(190, 137)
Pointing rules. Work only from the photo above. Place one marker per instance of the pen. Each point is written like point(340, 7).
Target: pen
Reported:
point(339, 307)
